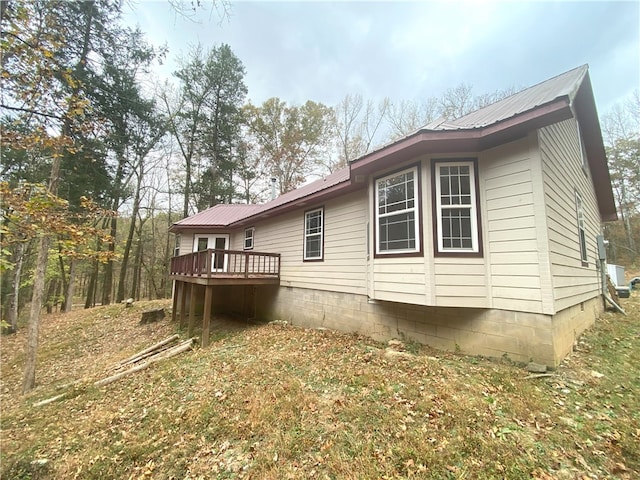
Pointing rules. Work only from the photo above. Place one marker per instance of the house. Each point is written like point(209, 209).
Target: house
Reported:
point(477, 235)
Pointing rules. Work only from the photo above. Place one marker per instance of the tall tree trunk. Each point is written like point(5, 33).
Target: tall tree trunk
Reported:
point(626, 220)
point(63, 272)
point(51, 295)
point(187, 187)
point(14, 300)
point(108, 267)
point(91, 286)
point(93, 279)
point(135, 285)
point(68, 297)
point(29, 378)
point(132, 227)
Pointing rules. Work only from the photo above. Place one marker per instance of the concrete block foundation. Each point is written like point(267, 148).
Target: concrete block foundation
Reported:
point(520, 336)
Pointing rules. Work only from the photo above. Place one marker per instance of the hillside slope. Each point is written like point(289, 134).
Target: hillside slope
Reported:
point(275, 401)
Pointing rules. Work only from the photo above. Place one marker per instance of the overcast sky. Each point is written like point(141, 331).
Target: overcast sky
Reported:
point(322, 51)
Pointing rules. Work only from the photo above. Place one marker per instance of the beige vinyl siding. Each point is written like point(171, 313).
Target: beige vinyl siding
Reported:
point(460, 282)
point(237, 240)
point(564, 175)
point(186, 242)
point(344, 266)
point(399, 279)
point(514, 228)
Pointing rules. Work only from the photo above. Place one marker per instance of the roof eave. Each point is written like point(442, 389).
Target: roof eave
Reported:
point(463, 140)
point(311, 200)
point(587, 115)
point(177, 227)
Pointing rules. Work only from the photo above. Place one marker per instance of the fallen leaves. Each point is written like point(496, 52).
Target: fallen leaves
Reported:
point(276, 401)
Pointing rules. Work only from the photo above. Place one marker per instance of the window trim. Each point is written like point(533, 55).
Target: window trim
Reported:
point(252, 237)
point(418, 251)
point(178, 244)
point(438, 251)
point(305, 258)
point(582, 231)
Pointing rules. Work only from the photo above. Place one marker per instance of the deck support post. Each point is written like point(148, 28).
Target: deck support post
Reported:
point(174, 305)
point(192, 310)
point(183, 303)
point(206, 315)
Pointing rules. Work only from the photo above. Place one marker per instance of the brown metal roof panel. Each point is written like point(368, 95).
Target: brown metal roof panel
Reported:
point(224, 215)
point(565, 84)
point(335, 178)
point(220, 215)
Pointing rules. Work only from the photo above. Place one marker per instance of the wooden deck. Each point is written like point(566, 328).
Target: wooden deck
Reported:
point(216, 267)
point(226, 267)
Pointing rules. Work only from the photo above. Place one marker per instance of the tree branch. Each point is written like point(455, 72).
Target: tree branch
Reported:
point(33, 112)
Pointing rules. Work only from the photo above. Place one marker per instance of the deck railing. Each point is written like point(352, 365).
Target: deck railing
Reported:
point(212, 263)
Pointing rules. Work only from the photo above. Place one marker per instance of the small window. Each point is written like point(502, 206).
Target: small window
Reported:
point(248, 238)
point(582, 236)
point(456, 207)
point(176, 249)
point(397, 213)
point(313, 234)
point(202, 244)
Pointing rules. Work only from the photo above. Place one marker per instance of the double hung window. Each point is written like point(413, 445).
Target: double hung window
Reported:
point(397, 213)
point(582, 236)
point(456, 207)
point(313, 234)
point(248, 238)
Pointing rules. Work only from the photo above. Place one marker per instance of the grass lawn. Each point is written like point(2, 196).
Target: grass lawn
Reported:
point(278, 402)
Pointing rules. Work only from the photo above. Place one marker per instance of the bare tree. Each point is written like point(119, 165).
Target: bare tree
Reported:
point(457, 101)
point(621, 129)
point(357, 124)
point(406, 116)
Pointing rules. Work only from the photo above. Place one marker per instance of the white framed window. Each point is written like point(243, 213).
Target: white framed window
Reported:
point(582, 236)
point(456, 207)
point(314, 234)
point(176, 249)
point(397, 213)
point(248, 238)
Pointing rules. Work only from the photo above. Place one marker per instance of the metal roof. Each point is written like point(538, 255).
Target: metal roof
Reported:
point(542, 104)
point(335, 178)
point(219, 215)
point(223, 215)
point(565, 84)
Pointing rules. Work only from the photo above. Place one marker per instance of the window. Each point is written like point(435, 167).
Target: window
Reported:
point(202, 244)
point(456, 207)
point(248, 238)
point(582, 237)
point(313, 234)
point(176, 249)
point(397, 213)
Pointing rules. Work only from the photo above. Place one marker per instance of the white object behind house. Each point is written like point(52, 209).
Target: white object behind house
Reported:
point(616, 272)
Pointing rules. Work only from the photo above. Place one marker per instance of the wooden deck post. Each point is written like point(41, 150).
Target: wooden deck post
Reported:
point(183, 303)
point(206, 315)
point(174, 306)
point(192, 310)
